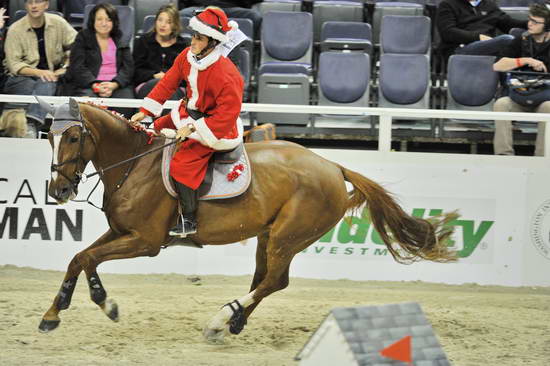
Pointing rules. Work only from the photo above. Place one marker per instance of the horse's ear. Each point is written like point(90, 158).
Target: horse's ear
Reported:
point(46, 106)
point(74, 108)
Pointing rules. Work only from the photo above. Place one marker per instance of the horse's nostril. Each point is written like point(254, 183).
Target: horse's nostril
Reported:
point(64, 191)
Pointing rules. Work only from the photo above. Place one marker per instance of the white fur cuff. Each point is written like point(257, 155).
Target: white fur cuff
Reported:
point(168, 133)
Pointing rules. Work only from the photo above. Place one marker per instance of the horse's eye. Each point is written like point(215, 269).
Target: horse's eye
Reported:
point(73, 139)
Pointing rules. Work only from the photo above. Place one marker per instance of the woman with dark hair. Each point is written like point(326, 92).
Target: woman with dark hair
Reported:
point(100, 63)
point(155, 51)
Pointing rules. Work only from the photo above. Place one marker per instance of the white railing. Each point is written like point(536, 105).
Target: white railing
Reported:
point(386, 114)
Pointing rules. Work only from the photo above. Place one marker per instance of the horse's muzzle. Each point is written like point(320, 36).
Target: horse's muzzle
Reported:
point(62, 192)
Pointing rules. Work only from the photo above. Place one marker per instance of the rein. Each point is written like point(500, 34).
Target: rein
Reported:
point(102, 170)
point(80, 176)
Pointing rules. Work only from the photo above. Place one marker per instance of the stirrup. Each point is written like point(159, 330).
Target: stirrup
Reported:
point(183, 228)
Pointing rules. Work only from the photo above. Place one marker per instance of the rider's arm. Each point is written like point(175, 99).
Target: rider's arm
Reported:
point(152, 104)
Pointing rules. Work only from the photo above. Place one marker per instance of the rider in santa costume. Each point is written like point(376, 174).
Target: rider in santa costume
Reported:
point(214, 97)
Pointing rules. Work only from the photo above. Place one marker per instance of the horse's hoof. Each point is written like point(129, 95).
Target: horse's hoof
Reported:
point(48, 325)
point(111, 310)
point(214, 336)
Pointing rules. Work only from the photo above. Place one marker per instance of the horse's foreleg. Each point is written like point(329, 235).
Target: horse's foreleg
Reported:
point(62, 300)
point(127, 246)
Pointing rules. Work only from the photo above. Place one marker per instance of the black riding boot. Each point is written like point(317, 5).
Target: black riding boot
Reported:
point(188, 201)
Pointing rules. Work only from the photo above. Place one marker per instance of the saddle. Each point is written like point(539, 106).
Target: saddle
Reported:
point(228, 174)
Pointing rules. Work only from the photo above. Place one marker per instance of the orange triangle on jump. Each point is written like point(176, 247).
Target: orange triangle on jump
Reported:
point(399, 351)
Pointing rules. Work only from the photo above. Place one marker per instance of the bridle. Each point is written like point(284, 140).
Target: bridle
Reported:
point(78, 159)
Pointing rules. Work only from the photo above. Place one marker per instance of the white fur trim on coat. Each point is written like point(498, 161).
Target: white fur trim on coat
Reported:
point(203, 63)
point(212, 141)
point(152, 106)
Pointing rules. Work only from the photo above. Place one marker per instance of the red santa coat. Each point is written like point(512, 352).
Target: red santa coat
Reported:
point(214, 87)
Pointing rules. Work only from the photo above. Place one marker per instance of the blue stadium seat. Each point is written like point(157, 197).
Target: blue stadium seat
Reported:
point(386, 8)
point(346, 36)
point(278, 5)
point(472, 82)
point(247, 27)
point(147, 24)
point(518, 9)
point(15, 5)
point(287, 36)
point(404, 81)
point(245, 65)
point(74, 10)
point(343, 80)
point(471, 85)
point(415, 40)
point(335, 10)
point(285, 64)
point(21, 13)
point(148, 7)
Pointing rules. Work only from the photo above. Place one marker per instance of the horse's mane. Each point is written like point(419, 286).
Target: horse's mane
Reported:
point(115, 116)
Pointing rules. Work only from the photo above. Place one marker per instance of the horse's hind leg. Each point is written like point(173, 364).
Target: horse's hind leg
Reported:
point(62, 300)
point(288, 236)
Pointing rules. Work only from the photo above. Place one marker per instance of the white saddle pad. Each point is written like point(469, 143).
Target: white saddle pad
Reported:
point(221, 181)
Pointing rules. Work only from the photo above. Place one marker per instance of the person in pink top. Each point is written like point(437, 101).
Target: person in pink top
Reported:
point(101, 64)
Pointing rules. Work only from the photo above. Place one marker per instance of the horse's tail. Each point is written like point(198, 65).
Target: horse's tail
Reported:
point(407, 238)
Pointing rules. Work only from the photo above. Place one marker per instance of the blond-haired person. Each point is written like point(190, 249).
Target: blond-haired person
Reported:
point(36, 49)
point(156, 50)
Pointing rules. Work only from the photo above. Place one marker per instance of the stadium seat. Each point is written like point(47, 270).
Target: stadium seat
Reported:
point(126, 16)
point(517, 9)
point(278, 5)
point(287, 36)
point(15, 5)
point(147, 24)
point(343, 80)
point(472, 84)
point(283, 83)
point(385, 8)
point(148, 7)
point(244, 64)
point(247, 27)
point(185, 33)
point(21, 13)
point(74, 10)
point(285, 64)
point(416, 39)
point(404, 81)
point(335, 10)
point(346, 36)
point(404, 77)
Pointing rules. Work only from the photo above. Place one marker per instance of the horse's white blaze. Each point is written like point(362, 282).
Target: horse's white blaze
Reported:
point(56, 141)
point(219, 321)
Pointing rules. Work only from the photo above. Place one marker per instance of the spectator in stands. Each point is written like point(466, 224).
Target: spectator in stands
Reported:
point(101, 64)
point(233, 9)
point(155, 51)
point(530, 52)
point(36, 51)
point(470, 27)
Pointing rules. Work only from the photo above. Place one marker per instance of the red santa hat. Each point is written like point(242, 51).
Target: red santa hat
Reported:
point(212, 22)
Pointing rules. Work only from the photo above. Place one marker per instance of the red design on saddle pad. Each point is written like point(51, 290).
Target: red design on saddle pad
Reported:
point(235, 172)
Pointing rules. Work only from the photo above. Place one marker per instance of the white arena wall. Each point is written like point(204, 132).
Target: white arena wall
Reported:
point(503, 235)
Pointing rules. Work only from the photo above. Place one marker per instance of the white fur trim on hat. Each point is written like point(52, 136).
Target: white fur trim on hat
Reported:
point(233, 25)
point(202, 28)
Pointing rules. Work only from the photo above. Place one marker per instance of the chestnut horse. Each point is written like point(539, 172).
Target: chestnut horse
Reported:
point(294, 198)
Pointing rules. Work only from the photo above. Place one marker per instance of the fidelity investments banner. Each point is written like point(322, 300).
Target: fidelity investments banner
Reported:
point(501, 235)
